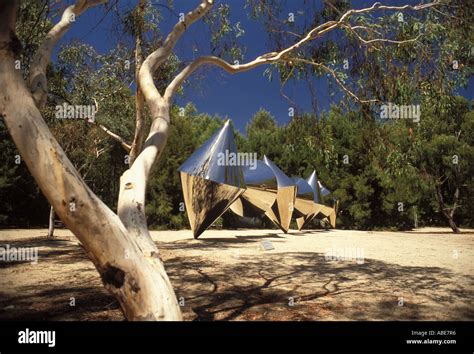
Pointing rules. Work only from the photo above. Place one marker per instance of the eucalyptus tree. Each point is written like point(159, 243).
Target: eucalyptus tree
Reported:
point(444, 145)
point(119, 244)
point(425, 73)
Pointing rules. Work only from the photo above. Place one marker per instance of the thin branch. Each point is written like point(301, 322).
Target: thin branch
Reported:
point(331, 25)
point(378, 40)
point(282, 55)
point(116, 137)
point(36, 22)
point(209, 59)
point(138, 137)
point(155, 59)
point(333, 73)
point(329, 4)
point(282, 88)
point(97, 155)
point(38, 81)
point(100, 21)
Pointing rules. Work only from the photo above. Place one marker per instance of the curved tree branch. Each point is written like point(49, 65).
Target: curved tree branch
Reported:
point(155, 59)
point(37, 81)
point(139, 282)
point(379, 40)
point(213, 60)
point(131, 201)
point(333, 73)
point(283, 54)
point(114, 136)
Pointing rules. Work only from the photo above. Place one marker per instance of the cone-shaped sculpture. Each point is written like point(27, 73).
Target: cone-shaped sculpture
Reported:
point(330, 212)
point(282, 210)
point(269, 191)
point(320, 192)
point(305, 208)
point(211, 180)
point(313, 183)
point(261, 191)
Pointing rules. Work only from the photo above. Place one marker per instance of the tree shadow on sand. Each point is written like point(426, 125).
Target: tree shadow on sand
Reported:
point(52, 299)
point(264, 286)
point(306, 286)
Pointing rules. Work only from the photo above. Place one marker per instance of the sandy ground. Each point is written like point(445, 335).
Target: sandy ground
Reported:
point(425, 274)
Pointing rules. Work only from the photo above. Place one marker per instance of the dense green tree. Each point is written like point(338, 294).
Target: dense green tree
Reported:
point(446, 157)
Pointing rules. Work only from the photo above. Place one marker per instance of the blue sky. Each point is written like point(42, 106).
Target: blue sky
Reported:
point(236, 96)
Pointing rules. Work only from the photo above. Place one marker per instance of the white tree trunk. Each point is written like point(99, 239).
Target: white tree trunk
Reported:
point(137, 280)
point(51, 222)
point(131, 201)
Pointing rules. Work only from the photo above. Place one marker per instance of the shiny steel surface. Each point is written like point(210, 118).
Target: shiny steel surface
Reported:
point(270, 192)
point(324, 211)
point(324, 190)
point(261, 191)
point(206, 200)
point(313, 183)
point(305, 208)
point(206, 162)
point(209, 185)
point(282, 179)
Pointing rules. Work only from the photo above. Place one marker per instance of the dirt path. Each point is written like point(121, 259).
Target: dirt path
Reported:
point(226, 275)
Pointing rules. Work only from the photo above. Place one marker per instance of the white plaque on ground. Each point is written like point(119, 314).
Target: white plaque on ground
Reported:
point(266, 246)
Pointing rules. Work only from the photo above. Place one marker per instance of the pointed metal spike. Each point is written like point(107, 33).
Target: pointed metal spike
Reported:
point(209, 181)
point(206, 201)
point(270, 192)
point(305, 208)
point(211, 160)
point(313, 182)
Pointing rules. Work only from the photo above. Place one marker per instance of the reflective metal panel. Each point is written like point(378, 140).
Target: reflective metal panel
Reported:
point(282, 179)
point(270, 192)
point(261, 191)
point(210, 181)
point(305, 208)
point(313, 183)
point(324, 190)
point(206, 200)
point(320, 192)
point(214, 159)
point(261, 176)
point(281, 211)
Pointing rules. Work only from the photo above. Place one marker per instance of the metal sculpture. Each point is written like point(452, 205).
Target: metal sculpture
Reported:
point(269, 191)
point(305, 204)
point(324, 212)
point(210, 185)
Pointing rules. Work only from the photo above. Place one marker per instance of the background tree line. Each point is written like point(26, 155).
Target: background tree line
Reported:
point(384, 173)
